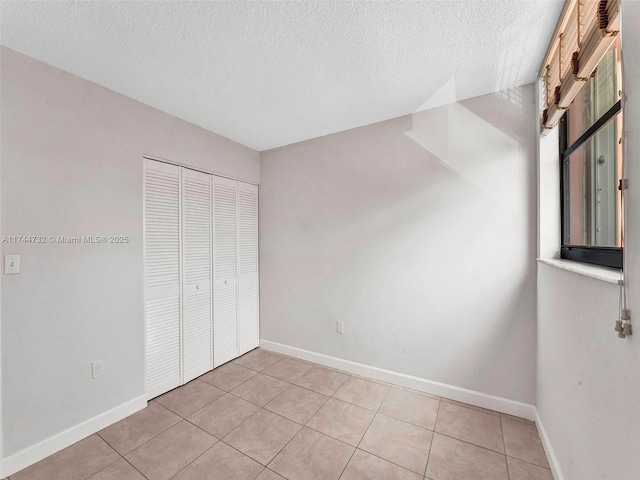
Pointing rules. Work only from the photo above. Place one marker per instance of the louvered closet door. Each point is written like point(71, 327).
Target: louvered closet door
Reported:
point(162, 276)
point(196, 268)
point(248, 306)
point(225, 273)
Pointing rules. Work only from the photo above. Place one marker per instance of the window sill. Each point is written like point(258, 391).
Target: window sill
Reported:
point(609, 275)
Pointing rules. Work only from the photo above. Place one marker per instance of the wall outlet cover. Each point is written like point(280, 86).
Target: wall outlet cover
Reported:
point(11, 264)
point(97, 368)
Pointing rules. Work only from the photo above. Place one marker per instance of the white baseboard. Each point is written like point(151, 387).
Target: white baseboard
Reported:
point(548, 449)
point(483, 400)
point(22, 459)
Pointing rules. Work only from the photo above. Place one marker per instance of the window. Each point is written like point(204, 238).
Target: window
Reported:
point(591, 168)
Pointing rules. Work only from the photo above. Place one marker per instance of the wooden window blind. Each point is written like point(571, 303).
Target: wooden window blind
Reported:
point(585, 31)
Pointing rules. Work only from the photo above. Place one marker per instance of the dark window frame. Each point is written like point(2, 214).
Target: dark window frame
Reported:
point(604, 256)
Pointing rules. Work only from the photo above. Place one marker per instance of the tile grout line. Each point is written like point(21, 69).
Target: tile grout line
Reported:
point(305, 426)
point(389, 461)
point(187, 465)
point(283, 380)
point(285, 445)
point(475, 444)
point(489, 450)
point(253, 369)
point(537, 437)
point(314, 413)
point(147, 441)
point(208, 405)
point(472, 444)
point(468, 406)
point(283, 417)
point(301, 386)
point(378, 456)
point(348, 461)
point(204, 406)
point(435, 423)
point(218, 440)
point(241, 383)
point(260, 408)
point(244, 454)
point(315, 391)
point(365, 432)
point(119, 454)
point(154, 437)
point(95, 473)
point(439, 433)
point(339, 399)
point(273, 376)
point(504, 444)
point(253, 403)
point(135, 468)
point(185, 420)
point(243, 422)
point(527, 462)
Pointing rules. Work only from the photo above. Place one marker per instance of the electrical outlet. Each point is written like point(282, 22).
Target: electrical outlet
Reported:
point(340, 327)
point(97, 368)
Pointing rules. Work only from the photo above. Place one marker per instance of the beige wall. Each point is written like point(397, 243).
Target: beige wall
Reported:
point(72, 165)
point(419, 234)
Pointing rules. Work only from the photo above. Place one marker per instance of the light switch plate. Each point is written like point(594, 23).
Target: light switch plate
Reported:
point(11, 264)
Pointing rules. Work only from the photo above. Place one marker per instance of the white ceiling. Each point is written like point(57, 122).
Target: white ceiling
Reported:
point(267, 73)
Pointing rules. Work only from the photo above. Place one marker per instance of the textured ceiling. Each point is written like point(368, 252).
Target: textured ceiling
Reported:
point(267, 74)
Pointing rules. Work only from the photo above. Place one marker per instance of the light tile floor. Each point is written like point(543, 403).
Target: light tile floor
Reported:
point(266, 416)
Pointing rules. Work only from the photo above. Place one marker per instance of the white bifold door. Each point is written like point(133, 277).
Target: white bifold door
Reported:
point(197, 332)
point(236, 312)
point(201, 273)
point(225, 270)
point(248, 295)
point(162, 276)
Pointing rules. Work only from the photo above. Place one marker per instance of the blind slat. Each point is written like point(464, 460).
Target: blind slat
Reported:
point(585, 31)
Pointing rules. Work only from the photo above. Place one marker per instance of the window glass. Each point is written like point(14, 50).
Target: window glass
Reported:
point(590, 180)
point(600, 93)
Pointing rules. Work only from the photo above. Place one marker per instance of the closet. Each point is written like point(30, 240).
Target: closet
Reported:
point(201, 273)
